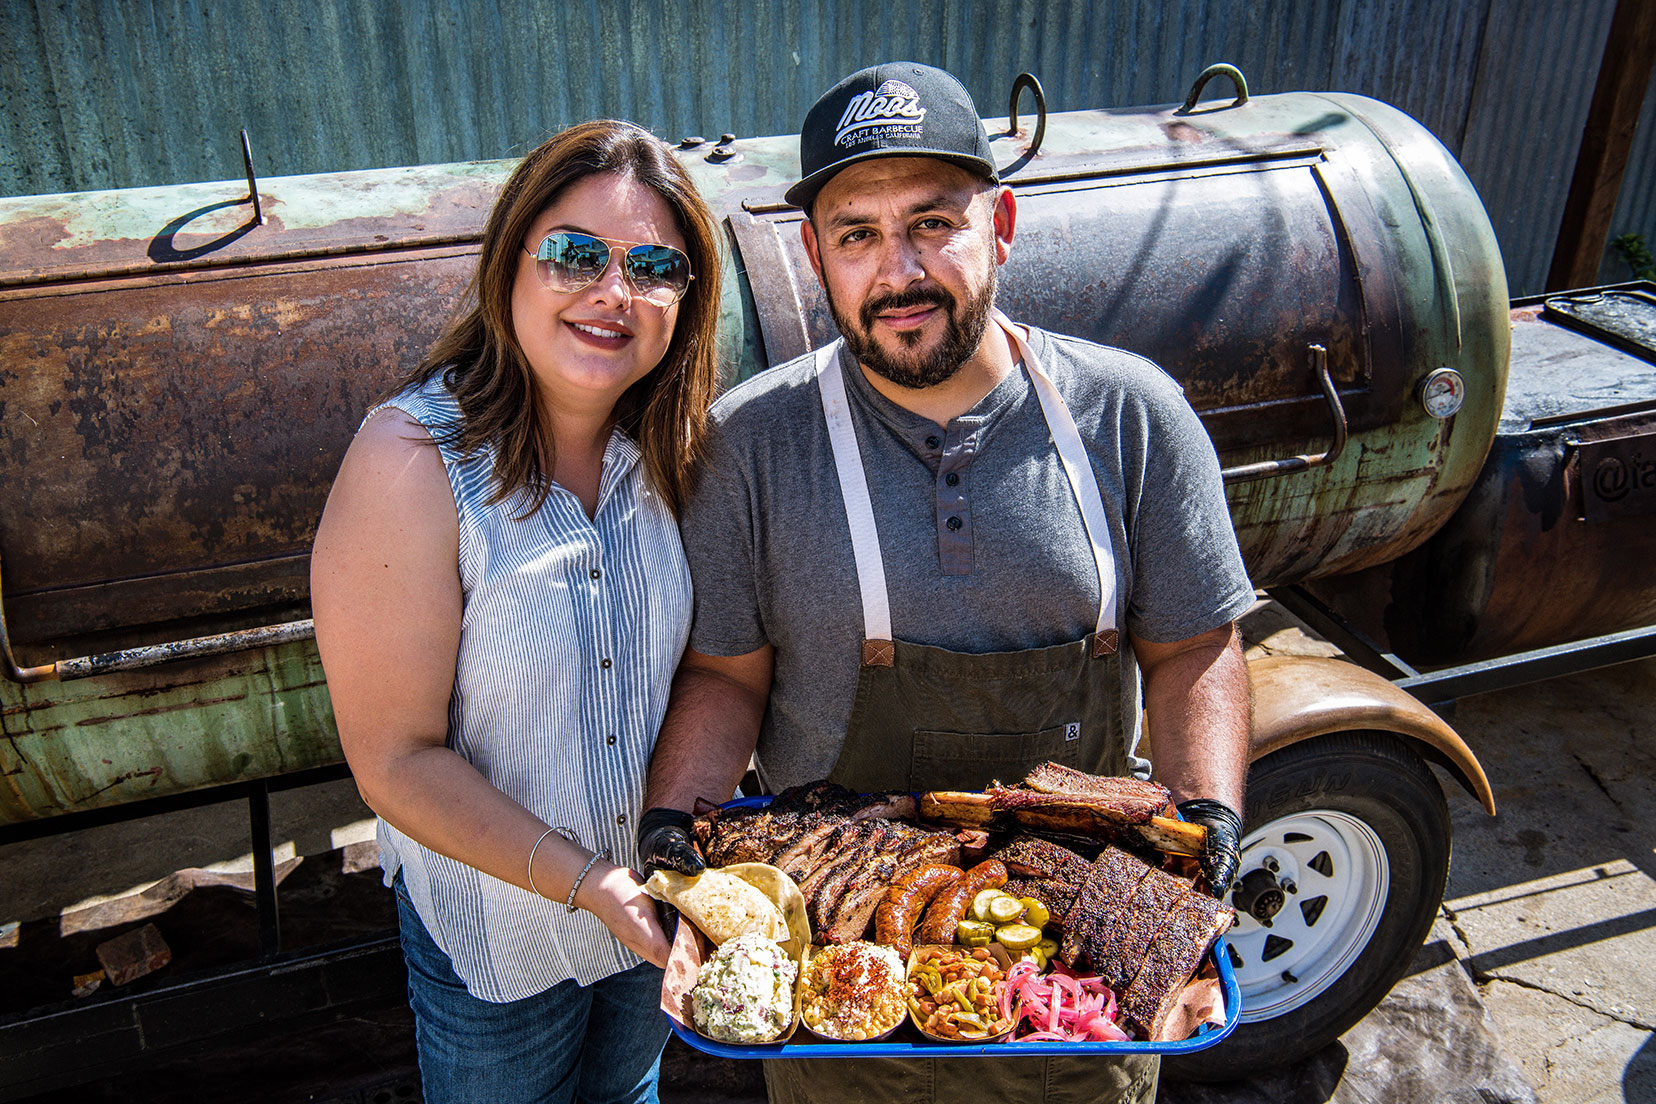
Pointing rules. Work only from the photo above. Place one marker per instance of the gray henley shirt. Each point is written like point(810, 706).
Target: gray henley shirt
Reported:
point(981, 537)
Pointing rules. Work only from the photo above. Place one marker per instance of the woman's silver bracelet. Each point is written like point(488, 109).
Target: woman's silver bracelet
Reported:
point(567, 834)
point(569, 903)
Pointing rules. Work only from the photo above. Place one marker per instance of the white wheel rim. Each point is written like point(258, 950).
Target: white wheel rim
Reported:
point(1320, 944)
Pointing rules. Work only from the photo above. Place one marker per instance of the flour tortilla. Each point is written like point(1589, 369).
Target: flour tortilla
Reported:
point(721, 904)
point(784, 891)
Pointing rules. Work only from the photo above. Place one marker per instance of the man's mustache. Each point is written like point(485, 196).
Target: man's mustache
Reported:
point(901, 300)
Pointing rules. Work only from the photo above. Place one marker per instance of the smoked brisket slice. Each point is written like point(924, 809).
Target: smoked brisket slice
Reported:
point(806, 848)
point(842, 846)
point(835, 800)
point(860, 896)
point(830, 892)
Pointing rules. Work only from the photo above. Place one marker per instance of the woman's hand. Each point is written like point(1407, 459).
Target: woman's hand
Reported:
point(615, 895)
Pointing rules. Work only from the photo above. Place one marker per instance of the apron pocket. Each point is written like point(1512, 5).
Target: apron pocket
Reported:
point(971, 760)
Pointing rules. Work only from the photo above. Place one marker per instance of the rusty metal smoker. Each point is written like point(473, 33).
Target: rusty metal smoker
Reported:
point(185, 371)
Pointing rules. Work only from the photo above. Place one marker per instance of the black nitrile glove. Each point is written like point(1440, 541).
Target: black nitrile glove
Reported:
point(1222, 857)
point(664, 842)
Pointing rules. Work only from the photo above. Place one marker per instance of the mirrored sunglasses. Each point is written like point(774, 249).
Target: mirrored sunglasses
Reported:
point(569, 261)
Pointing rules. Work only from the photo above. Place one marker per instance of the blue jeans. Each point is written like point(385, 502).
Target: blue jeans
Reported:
point(600, 1044)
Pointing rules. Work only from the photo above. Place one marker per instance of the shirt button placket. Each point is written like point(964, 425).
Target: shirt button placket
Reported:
point(603, 628)
point(953, 508)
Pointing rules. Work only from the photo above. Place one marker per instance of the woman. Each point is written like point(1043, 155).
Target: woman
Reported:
point(500, 602)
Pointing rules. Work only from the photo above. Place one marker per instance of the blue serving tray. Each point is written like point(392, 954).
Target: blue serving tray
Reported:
point(1205, 1036)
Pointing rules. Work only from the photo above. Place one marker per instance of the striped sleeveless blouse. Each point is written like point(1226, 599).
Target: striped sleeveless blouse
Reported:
point(569, 637)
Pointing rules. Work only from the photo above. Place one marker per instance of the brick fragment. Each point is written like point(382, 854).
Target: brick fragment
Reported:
point(128, 957)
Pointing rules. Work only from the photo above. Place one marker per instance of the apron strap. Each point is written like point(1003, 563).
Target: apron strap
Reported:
point(878, 650)
point(859, 509)
point(1083, 484)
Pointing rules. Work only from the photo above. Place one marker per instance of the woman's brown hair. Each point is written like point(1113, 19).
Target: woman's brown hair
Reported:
point(483, 365)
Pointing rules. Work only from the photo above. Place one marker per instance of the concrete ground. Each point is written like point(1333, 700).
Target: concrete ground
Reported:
point(1537, 983)
point(1552, 902)
point(1550, 912)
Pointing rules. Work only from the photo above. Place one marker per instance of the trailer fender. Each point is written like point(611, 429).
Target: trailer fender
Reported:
point(1298, 697)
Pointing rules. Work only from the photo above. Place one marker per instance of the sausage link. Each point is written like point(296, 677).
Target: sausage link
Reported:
point(944, 913)
point(900, 908)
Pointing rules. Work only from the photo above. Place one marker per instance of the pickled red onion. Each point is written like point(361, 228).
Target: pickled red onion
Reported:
point(1062, 1006)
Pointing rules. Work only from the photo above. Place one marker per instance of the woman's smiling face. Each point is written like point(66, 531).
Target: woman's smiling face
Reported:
point(587, 347)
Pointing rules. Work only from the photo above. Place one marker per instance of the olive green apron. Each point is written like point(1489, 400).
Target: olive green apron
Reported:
point(927, 718)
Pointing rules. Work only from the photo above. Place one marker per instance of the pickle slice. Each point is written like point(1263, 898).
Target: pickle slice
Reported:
point(1005, 909)
point(1036, 915)
point(974, 933)
point(1018, 937)
point(979, 909)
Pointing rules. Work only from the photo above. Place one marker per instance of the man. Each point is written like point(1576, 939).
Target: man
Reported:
point(949, 547)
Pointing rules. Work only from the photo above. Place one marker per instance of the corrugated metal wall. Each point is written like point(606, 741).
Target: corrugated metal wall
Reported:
point(1536, 74)
point(1636, 210)
point(132, 92)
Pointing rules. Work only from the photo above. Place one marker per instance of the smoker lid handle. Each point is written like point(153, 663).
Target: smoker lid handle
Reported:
point(1208, 74)
point(1027, 80)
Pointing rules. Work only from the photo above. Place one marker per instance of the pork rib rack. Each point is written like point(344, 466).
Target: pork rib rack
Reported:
point(1043, 870)
point(842, 848)
point(1144, 931)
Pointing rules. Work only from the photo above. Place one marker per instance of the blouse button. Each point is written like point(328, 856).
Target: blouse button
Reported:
point(622, 819)
point(595, 573)
point(933, 442)
point(604, 663)
point(609, 739)
point(952, 478)
point(952, 523)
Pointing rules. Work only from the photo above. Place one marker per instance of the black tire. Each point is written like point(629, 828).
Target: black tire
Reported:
point(1375, 788)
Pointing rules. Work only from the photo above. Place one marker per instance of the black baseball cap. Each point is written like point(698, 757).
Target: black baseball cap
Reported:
point(898, 109)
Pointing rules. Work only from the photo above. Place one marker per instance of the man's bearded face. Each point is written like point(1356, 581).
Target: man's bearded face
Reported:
point(905, 358)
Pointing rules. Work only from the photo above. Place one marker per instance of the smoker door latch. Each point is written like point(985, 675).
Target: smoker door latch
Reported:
point(1265, 469)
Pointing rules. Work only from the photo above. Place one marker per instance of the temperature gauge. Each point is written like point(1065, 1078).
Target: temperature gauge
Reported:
point(1442, 392)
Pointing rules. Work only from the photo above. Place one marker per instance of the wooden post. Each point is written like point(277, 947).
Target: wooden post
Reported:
point(1624, 74)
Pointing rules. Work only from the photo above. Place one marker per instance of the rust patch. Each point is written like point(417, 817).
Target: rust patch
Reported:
point(28, 235)
point(196, 425)
point(1180, 131)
